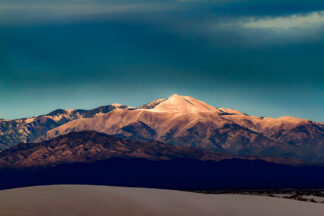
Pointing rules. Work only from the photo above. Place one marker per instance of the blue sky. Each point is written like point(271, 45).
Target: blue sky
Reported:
point(262, 57)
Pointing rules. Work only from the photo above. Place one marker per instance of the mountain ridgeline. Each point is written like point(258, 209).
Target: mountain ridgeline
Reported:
point(89, 157)
point(91, 146)
point(13, 132)
point(180, 121)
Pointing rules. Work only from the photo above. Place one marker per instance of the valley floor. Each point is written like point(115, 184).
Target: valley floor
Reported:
point(83, 200)
point(301, 194)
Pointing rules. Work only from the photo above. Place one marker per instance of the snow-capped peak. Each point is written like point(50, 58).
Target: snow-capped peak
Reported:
point(178, 103)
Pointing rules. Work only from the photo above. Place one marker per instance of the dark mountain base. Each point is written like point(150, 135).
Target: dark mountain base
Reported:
point(171, 174)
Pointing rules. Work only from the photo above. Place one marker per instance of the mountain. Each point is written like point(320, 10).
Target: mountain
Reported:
point(183, 121)
point(186, 121)
point(89, 157)
point(90, 146)
point(25, 130)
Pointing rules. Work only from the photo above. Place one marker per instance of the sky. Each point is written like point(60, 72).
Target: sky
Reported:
point(262, 57)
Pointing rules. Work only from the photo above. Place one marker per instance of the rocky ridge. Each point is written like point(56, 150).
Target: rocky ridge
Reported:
point(91, 146)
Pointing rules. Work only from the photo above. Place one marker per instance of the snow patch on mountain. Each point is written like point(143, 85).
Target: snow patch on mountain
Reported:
point(183, 104)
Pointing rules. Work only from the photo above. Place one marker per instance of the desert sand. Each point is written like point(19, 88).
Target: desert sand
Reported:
point(82, 200)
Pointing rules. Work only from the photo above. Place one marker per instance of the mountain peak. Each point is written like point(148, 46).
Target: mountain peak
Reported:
point(185, 104)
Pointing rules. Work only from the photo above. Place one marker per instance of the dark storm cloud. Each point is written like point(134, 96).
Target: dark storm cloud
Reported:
point(264, 57)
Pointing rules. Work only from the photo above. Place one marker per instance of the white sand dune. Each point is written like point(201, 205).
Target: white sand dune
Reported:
point(70, 200)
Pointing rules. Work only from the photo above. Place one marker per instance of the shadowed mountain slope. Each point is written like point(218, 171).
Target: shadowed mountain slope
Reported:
point(89, 157)
point(172, 174)
point(90, 146)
